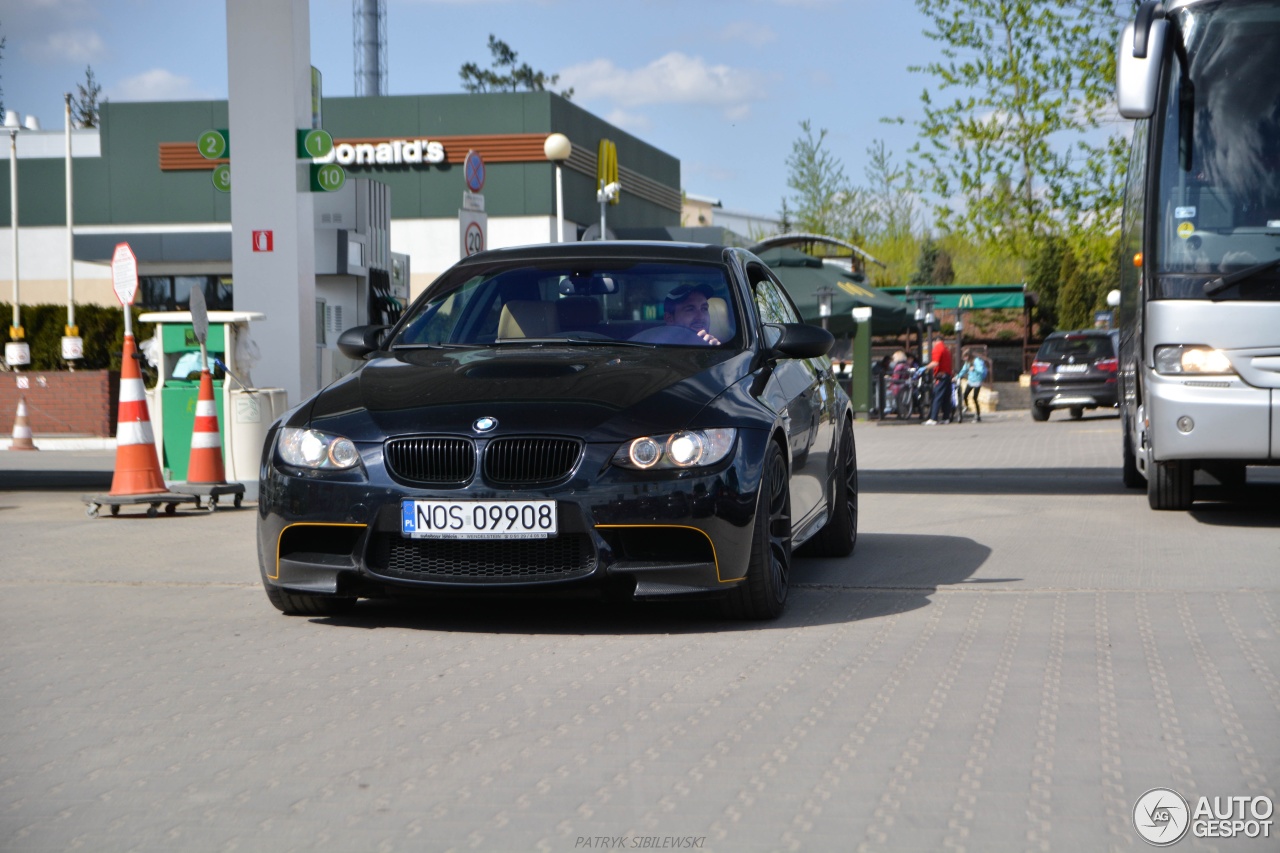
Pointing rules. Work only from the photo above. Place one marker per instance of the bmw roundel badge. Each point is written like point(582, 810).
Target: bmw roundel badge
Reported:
point(484, 424)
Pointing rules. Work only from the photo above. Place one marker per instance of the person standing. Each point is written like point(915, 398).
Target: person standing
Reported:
point(973, 371)
point(940, 364)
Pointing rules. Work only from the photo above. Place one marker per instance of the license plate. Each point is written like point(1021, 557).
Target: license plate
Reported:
point(478, 519)
point(1072, 368)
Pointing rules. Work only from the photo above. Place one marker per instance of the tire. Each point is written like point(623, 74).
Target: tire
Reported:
point(295, 604)
point(839, 535)
point(1077, 412)
point(1130, 474)
point(902, 405)
point(1169, 484)
point(1039, 412)
point(926, 402)
point(763, 595)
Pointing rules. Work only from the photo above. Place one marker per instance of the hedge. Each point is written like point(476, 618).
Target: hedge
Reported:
point(101, 328)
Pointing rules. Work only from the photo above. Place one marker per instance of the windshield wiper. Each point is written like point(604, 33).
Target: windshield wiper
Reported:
point(1223, 282)
point(409, 346)
point(598, 342)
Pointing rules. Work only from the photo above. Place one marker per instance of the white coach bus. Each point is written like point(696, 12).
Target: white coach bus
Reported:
point(1199, 309)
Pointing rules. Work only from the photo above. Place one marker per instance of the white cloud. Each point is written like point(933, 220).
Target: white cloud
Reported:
point(671, 79)
point(78, 46)
point(157, 84)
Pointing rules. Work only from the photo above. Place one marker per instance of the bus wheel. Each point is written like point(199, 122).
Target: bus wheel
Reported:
point(1132, 476)
point(1169, 484)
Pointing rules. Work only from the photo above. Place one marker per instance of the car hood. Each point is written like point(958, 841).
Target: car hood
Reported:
point(598, 393)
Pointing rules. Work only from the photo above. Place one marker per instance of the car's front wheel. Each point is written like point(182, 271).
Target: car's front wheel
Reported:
point(299, 604)
point(838, 536)
point(763, 594)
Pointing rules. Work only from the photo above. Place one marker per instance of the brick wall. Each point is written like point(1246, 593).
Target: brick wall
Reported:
point(85, 402)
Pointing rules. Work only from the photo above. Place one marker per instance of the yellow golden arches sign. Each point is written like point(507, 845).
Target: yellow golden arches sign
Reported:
point(853, 289)
point(607, 168)
point(966, 301)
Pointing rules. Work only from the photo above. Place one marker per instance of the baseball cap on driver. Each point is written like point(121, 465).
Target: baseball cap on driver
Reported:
point(682, 292)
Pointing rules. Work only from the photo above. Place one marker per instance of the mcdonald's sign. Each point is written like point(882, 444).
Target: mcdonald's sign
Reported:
point(607, 167)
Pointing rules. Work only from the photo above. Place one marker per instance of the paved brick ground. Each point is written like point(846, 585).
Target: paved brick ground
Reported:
point(1018, 650)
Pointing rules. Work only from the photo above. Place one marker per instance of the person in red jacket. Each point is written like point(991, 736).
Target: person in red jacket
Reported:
point(940, 364)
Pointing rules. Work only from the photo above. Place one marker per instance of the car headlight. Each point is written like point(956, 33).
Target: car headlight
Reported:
point(321, 451)
point(685, 449)
point(1191, 359)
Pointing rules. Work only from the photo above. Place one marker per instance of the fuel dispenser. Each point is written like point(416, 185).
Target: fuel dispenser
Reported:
point(244, 412)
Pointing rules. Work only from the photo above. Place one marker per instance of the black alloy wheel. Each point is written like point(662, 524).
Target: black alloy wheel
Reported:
point(839, 535)
point(763, 594)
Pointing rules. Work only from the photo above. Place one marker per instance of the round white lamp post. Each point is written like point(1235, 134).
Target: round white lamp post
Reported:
point(558, 148)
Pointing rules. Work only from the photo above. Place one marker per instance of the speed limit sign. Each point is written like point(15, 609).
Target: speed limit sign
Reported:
point(472, 225)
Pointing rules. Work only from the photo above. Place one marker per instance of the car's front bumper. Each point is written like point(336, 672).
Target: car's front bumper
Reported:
point(646, 534)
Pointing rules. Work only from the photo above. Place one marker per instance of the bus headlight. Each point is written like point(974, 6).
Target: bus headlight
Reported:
point(1186, 358)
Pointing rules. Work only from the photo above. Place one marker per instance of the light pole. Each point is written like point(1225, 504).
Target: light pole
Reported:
point(72, 343)
point(558, 148)
point(17, 352)
point(824, 295)
point(924, 317)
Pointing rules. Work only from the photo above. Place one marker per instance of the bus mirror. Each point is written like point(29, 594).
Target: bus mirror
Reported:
point(1137, 76)
point(1113, 298)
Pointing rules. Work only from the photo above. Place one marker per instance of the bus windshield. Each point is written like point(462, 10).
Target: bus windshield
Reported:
point(1219, 172)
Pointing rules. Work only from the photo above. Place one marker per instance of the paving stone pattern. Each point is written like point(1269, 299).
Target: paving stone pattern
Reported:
point(1016, 652)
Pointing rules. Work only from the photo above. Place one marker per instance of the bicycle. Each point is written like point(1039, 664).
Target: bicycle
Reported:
point(915, 396)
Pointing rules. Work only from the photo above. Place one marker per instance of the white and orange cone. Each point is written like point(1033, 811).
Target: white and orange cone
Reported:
point(21, 429)
point(204, 465)
point(137, 465)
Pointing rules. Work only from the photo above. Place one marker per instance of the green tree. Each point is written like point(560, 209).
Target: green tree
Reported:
point(933, 266)
point(824, 200)
point(891, 206)
point(1026, 79)
point(84, 106)
point(1044, 272)
point(506, 75)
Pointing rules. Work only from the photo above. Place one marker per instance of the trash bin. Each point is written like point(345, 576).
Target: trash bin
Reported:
point(243, 416)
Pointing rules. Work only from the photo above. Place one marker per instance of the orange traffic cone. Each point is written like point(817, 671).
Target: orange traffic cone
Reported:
point(137, 465)
point(205, 463)
point(21, 430)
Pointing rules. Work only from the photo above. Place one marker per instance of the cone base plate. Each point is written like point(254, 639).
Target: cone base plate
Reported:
point(169, 500)
point(213, 491)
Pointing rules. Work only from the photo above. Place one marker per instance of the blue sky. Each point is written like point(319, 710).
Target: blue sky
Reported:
point(723, 86)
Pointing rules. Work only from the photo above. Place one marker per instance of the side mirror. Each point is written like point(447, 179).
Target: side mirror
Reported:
point(798, 340)
point(1138, 61)
point(358, 342)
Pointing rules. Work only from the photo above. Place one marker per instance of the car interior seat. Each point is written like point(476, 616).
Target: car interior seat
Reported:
point(720, 326)
point(527, 319)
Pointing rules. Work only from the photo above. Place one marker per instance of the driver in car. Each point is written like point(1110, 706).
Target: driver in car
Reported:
point(687, 317)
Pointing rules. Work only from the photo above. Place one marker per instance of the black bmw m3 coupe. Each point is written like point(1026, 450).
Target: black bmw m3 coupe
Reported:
point(650, 420)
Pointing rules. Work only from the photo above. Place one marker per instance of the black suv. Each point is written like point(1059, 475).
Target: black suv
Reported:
point(1076, 371)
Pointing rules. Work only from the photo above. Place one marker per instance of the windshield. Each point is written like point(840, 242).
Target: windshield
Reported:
point(1219, 202)
point(593, 301)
